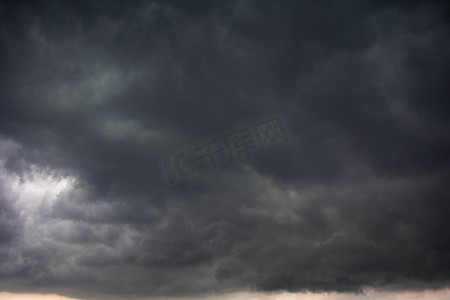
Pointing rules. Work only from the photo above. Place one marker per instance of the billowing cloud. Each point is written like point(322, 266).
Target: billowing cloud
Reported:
point(95, 96)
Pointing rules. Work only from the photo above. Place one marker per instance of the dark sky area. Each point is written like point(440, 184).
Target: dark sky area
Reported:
point(108, 110)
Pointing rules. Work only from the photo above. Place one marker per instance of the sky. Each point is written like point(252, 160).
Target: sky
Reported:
point(224, 149)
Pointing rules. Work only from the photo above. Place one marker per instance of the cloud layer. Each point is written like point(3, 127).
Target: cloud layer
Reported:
point(95, 95)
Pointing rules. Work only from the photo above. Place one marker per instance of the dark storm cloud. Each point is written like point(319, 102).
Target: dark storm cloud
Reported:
point(95, 95)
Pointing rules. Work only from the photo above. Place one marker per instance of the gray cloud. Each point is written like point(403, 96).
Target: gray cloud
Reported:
point(95, 95)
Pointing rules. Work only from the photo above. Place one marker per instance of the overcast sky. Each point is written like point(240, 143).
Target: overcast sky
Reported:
point(190, 148)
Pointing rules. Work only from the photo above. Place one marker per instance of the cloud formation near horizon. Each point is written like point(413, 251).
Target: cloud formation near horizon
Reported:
point(94, 96)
